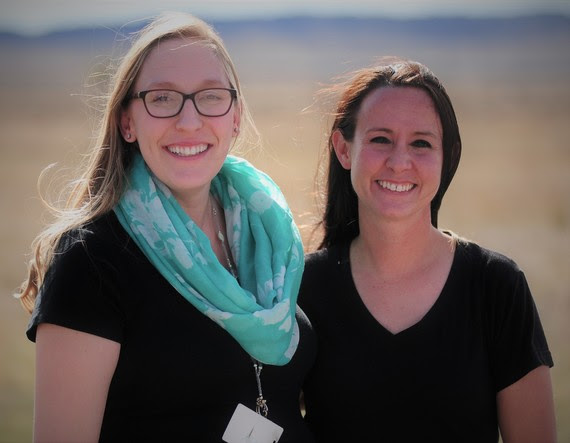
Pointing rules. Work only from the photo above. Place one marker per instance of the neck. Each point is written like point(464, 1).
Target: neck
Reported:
point(198, 208)
point(393, 249)
point(221, 247)
point(209, 216)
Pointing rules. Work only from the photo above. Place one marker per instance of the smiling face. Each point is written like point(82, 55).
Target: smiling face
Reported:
point(185, 151)
point(396, 155)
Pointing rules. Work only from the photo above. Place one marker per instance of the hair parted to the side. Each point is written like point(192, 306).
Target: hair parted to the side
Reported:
point(102, 180)
point(340, 218)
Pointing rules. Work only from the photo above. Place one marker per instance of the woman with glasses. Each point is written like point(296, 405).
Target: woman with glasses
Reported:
point(163, 298)
point(423, 336)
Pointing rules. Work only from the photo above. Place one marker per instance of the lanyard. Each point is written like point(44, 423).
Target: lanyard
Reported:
point(260, 404)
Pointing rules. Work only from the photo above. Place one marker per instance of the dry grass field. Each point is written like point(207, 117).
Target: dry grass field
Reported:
point(511, 192)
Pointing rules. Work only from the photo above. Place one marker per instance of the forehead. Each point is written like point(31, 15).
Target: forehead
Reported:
point(182, 63)
point(408, 105)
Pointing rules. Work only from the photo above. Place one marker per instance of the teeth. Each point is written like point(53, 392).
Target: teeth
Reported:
point(394, 187)
point(187, 151)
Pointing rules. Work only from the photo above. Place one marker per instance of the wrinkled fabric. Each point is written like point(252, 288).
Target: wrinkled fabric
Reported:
point(258, 309)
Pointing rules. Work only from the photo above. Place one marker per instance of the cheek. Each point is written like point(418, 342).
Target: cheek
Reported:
point(438, 164)
point(364, 165)
point(367, 159)
point(433, 167)
point(147, 128)
point(224, 130)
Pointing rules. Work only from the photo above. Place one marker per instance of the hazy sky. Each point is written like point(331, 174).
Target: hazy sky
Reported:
point(38, 16)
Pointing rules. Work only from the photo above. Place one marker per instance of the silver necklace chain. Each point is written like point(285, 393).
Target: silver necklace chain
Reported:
point(260, 403)
point(222, 238)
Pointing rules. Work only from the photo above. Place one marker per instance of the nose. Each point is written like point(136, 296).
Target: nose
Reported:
point(188, 118)
point(399, 157)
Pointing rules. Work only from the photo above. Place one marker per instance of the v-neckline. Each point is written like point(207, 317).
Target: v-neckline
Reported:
point(361, 306)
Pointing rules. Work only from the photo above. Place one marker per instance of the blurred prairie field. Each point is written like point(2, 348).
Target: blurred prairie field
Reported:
point(511, 192)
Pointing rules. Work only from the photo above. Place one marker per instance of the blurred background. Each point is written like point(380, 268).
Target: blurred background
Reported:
point(505, 64)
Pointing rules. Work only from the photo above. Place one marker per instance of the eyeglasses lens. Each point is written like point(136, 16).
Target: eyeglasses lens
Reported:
point(208, 102)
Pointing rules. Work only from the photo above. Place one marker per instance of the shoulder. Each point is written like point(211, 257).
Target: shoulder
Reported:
point(93, 250)
point(488, 262)
point(323, 272)
point(317, 258)
point(509, 316)
point(324, 262)
point(496, 278)
point(101, 236)
point(83, 288)
point(324, 258)
point(103, 228)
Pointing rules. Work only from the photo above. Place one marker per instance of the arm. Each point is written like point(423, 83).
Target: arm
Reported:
point(526, 409)
point(73, 374)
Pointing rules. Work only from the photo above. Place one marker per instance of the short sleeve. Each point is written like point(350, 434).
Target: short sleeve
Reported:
point(518, 342)
point(80, 290)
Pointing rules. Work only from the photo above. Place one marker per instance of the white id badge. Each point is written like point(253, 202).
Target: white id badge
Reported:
point(247, 426)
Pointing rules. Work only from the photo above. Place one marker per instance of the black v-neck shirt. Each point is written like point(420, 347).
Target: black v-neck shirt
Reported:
point(435, 381)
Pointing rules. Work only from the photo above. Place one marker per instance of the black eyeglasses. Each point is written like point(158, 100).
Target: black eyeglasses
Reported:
point(165, 103)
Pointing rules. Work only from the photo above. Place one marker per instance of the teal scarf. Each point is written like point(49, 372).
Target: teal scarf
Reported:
point(264, 240)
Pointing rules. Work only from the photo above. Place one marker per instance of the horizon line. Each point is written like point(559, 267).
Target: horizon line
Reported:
point(132, 23)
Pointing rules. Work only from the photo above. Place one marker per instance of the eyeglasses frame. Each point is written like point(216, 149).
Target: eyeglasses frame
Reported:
point(142, 95)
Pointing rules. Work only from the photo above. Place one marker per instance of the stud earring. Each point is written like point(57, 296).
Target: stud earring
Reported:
point(236, 130)
point(128, 136)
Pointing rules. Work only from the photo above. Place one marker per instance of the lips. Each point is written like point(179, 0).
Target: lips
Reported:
point(187, 151)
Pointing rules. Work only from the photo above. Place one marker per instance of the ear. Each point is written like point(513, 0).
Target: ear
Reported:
point(341, 149)
point(237, 119)
point(127, 127)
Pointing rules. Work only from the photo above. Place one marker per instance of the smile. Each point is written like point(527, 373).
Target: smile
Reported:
point(394, 187)
point(187, 151)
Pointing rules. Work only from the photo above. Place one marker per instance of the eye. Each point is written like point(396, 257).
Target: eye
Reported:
point(381, 140)
point(421, 144)
point(211, 96)
point(161, 97)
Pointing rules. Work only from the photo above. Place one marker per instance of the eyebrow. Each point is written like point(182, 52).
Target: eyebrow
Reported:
point(420, 133)
point(202, 85)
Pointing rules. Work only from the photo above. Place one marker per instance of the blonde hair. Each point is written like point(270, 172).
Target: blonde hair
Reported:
point(101, 183)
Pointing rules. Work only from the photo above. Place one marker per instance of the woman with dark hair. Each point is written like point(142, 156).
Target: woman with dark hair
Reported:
point(423, 335)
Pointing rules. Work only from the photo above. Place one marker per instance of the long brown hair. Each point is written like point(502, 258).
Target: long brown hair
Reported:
point(102, 181)
point(340, 218)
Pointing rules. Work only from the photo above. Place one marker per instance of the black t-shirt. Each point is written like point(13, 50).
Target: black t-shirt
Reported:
point(179, 376)
point(433, 382)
